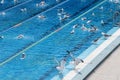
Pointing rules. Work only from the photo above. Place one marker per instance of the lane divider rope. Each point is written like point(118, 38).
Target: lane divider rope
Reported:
point(9, 59)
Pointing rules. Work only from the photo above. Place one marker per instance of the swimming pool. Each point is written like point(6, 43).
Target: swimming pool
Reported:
point(49, 38)
point(42, 27)
point(14, 16)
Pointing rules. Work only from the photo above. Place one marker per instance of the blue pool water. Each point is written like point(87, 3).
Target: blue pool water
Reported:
point(49, 38)
point(15, 16)
point(30, 28)
point(11, 3)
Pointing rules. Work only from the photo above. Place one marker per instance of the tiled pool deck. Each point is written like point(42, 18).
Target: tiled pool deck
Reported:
point(109, 69)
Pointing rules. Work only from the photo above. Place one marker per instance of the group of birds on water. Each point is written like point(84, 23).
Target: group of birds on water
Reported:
point(62, 63)
point(76, 61)
point(64, 15)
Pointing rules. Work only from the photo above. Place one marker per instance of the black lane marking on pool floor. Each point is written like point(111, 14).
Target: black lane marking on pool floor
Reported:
point(33, 15)
point(47, 32)
point(13, 6)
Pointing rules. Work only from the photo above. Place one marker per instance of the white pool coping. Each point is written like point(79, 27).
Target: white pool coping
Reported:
point(94, 58)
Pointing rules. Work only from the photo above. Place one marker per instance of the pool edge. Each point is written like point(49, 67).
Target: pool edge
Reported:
point(95, 58)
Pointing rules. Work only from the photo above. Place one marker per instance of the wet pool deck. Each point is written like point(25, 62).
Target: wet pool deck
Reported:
point(109, 69)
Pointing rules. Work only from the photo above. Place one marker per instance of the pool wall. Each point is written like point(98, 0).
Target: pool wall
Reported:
point(98, 55)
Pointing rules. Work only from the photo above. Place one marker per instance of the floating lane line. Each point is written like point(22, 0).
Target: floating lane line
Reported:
point(41, 12)
point(16, 6)
point(9, 59)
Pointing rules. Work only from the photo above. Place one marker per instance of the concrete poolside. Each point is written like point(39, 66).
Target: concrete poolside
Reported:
point(108, 69)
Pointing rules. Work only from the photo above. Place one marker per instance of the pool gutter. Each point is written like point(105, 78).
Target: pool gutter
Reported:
point(96, 57)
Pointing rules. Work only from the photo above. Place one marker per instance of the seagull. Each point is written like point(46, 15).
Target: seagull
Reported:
point(75, 26)
point(1, 37)
point(117, 24)
point(105, 35)
point(61, 65)
point(94, 41)
point(73, 31)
